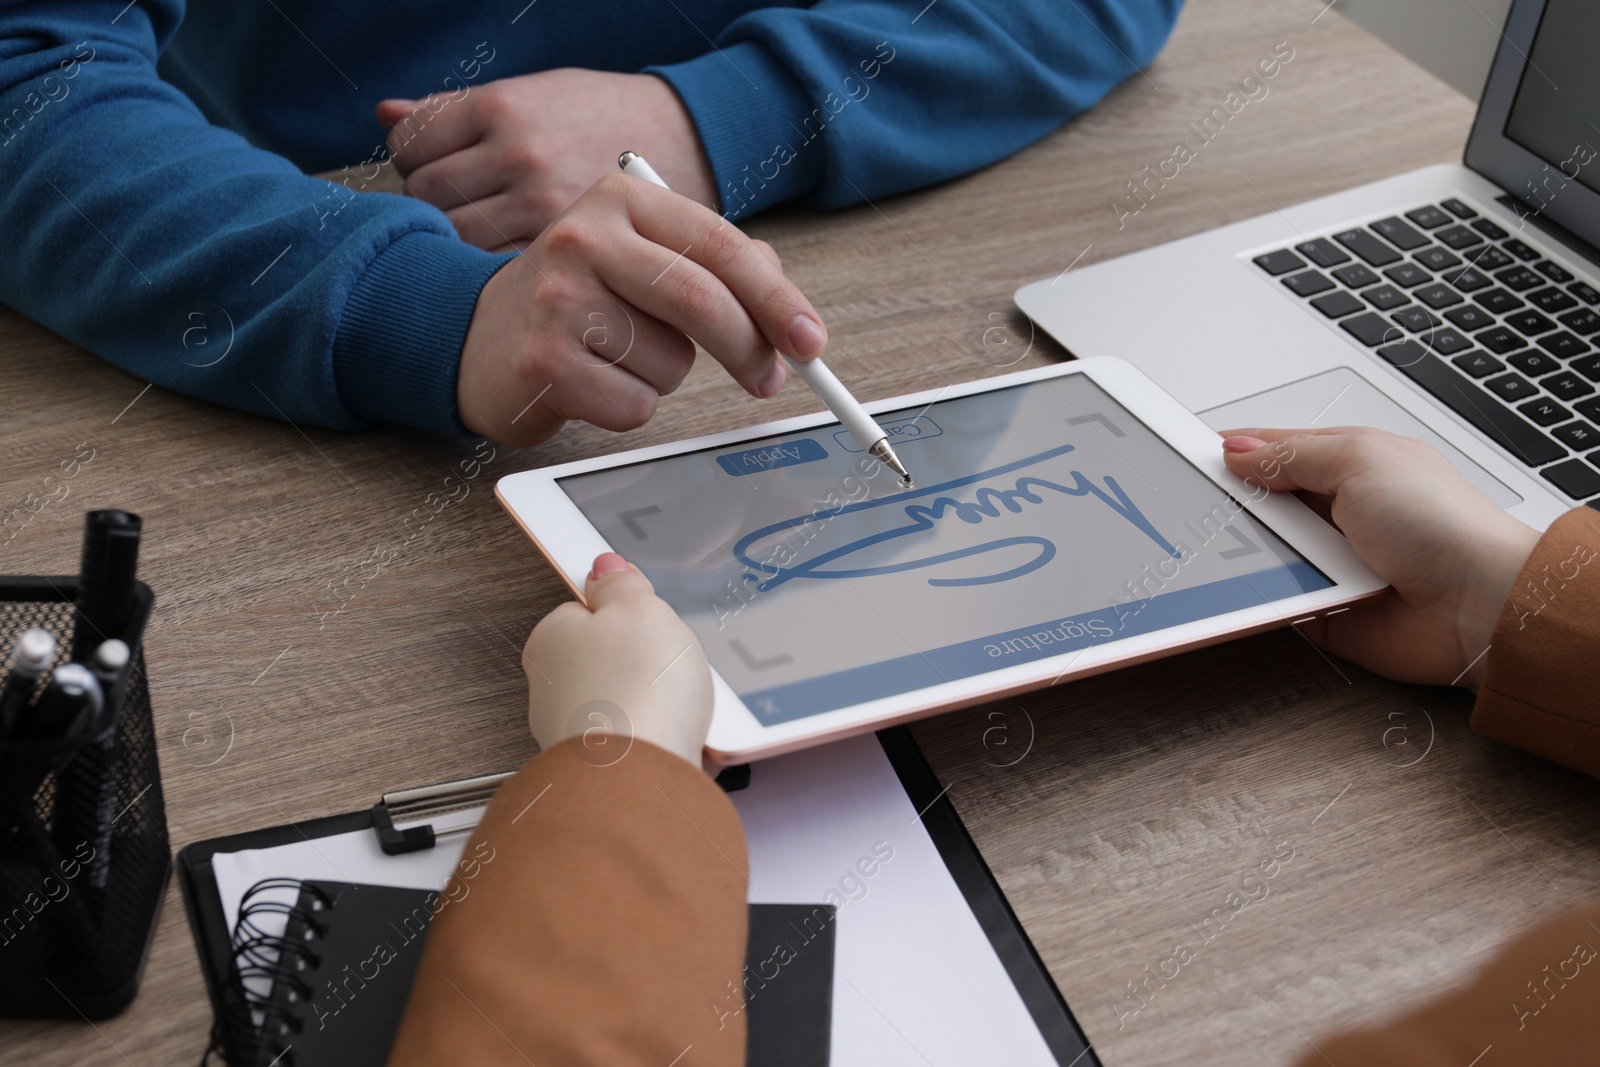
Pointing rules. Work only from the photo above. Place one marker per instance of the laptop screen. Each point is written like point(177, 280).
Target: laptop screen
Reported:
point(1556, 111)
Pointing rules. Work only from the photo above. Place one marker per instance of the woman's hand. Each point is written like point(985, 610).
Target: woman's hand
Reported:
point(621, 669)
point(1450, 553)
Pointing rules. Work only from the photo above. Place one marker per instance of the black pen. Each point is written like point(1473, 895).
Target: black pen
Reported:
point(30, 658)
point(68, 705)
point(110, 666)
point(86, 787)
point(105, 578)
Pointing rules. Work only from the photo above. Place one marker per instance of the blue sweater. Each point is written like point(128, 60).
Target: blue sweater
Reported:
point(157, 214)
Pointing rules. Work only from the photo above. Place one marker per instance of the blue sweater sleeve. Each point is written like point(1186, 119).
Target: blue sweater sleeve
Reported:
point(138, 230)
point(854, 99)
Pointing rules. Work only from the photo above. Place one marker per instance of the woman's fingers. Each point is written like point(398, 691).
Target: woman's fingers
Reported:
point(1319, 461)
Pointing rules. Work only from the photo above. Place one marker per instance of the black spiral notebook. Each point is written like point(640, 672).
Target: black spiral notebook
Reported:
point(330, 990)
point(338, 994)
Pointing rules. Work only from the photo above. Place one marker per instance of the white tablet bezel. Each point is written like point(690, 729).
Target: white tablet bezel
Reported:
point(567, 539)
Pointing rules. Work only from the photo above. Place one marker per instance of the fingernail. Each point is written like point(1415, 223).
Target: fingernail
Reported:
point(1242, 444)
point(773, 380)
point(806, 335)
point(409, 104)
point(608, 563)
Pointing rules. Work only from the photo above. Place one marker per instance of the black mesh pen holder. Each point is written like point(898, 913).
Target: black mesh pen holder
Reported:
point(84, 858)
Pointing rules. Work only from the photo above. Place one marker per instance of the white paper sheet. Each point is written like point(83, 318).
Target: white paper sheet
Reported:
point(916, 982)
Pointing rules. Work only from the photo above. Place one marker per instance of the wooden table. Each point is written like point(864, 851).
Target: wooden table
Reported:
point(292, 680)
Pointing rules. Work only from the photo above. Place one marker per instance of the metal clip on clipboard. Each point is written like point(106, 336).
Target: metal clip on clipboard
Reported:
point(429, 802)
point(432, 801)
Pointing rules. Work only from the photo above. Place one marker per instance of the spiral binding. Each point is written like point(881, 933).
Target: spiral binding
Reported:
point(236, 1036)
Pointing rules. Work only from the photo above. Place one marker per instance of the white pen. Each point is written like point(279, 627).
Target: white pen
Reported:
point(829, 389)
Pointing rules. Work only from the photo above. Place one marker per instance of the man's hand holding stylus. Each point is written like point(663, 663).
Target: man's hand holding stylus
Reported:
point(594, 320)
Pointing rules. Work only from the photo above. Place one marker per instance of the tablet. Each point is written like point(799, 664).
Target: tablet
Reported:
point(1063, 521)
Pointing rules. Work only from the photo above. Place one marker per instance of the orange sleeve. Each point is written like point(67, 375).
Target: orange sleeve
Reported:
point(1541, 685)
point(1537, 1001)
point(602, 922)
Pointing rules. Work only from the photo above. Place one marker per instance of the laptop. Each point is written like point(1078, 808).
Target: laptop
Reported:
point(1456, 304)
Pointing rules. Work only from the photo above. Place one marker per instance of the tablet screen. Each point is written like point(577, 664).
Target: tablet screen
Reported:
point(1045, 519)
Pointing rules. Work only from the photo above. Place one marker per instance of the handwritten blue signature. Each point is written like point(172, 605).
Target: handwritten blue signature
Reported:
point(986, 504)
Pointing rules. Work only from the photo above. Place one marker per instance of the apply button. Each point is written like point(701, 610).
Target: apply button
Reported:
point(771, 457)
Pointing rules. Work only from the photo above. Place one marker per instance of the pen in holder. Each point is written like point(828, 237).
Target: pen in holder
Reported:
point(84, 857)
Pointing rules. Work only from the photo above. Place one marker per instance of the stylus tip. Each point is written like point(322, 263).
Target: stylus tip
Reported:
point(881, 451)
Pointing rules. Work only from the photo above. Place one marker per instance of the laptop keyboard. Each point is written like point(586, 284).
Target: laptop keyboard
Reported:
point(1477, 318)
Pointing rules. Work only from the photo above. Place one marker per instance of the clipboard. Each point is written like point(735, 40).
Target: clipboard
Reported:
point(413, 820)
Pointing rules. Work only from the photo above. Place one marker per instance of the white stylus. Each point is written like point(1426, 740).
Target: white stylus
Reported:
point(829, 389)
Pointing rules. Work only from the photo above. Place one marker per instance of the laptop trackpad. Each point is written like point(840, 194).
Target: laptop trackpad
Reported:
point(1341, 397)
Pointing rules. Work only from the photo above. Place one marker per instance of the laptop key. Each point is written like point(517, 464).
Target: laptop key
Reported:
point(1469, 317)
point(1585, 292)
point(1447, 342)
point(1416, 319)
point(1404, 354)
point(1385, 297)
point(1355, 276)
point(1567, 386)
point(1551, 299)
point(1457, 237)
point(1574, 477)
point(1533, 364)
point(1490, 230)
point(1589, 409)
point(1491, 418)
point(1519, 278)
point(1511, 387)
point(1563, 345)
point(1435, 258)
point(1368, 247)
point(1459, 210)
point(1581, 321)
point(1578, 436)
point(1308, 284)
point(1405, 275)
point(1499, 301)
point(1466, 279)
point(1337, 305)
point(1322, 252)
point(1500, 340)
point(1478, 364)
point(1544, 411)
point(1588, 366)
point(1280, 262)
point(1370, 329)
point(1529, 322)
point(1429, 217)
point(1437, 296)
point(1520, 250)
point(1489, 258)
point(1554, 271)
point(1399, 234)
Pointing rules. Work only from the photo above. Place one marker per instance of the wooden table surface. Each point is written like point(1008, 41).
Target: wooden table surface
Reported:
point(292, 680)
